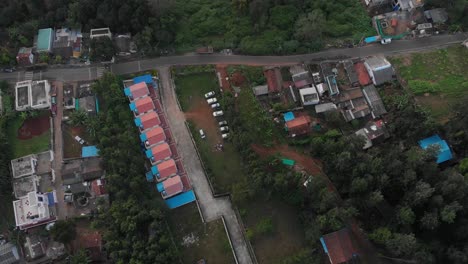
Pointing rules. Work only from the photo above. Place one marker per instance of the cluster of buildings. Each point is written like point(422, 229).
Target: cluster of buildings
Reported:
point(32, 95)
point(396, 19)
point(69, 43)
point(347, 87)
point(165, 165)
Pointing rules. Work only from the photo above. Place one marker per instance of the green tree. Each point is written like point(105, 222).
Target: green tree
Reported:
point(449, 212)
point(430, 220)
point(63, 231)
point(406, 216)
point(80, 257)
point(381, 235)
point(79, 117)
point(102, 49)
point(402, 245)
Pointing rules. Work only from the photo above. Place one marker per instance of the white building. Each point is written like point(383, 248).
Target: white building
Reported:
point(100, 32)
point(32, 210)
point(32, 95)
point(309, 96)
point(24, 166)
point(380, 69)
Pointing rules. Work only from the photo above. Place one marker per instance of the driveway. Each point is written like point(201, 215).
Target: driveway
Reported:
point(211, 208)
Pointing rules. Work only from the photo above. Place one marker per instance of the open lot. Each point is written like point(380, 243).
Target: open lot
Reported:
point(196, 240)
point(25, 141)
point(437, 78)
point(225, 169)
point(71, 147)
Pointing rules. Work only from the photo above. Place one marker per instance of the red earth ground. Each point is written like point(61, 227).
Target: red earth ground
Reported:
point(33, 127)
point(222, 70)
point(237, 79)
point(202, 115)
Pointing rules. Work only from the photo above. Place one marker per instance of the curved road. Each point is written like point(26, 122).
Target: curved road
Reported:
point(78, 73)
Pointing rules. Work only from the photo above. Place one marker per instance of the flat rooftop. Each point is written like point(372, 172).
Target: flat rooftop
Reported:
point(24, 166)
point(31, 209)
point(22, 94)
point(25, 185)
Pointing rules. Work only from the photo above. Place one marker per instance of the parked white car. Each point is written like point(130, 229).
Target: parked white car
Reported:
point(386, 41)
point(226, 135)
point(80, 140)
point(212, 100)
point(202, 134)
point(224, 128)
point(216, 105)
point(218, 113)
point(222, 123)
point(210, 94)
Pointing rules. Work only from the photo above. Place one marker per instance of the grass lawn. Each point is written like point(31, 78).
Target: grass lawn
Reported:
point(7, 218)
point(437, 78)
point(194, 85)
point(25, 147)
point(196, 240)
point(286, 236)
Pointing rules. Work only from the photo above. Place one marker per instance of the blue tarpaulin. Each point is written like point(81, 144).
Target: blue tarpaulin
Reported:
point(143, 137)
point(181, 199)
point(143, 78)
point(89, 151)
point(444, 150)
point(160, 187)
point(288, 116)
point(372, 39)
point(50, 197)
point(138, 122)
point(324, 245)
point(127, 92)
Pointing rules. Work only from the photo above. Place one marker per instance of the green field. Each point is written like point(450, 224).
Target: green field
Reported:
point(436, 78)
point(190, 86)
point(196, 240)
point(22, 148)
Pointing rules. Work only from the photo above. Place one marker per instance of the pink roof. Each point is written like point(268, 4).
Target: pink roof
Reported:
point(150, 119)
point(272, 82)
point(161, 152)
point(155, 135)
point(167, 168)
point(363, 75)
point(139, 90)
point(144, 105)
point(173, 185)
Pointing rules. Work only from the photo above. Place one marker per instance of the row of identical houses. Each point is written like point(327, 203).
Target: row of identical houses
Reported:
point(157, 142)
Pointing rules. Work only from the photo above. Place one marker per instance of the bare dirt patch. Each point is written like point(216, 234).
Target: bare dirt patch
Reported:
point(34, 127)
point(237, 79)
point(201, 115)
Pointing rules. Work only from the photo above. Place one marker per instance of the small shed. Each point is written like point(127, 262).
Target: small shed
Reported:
point(288, 116)
point(89, 151)
point(444, 153)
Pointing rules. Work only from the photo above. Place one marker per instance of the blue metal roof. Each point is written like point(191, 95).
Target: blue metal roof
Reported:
point(127, 92)
point(181, 199)
point(143, 137)
point(143, 78)
point(288, 116)
point(89, 151)
point(160, 187)
point(132, 106)
point(149, 176)
point(324, 245)
point(444, 153)
point(149, 153)
point(50, 197)
point(155, 170)
point(138, 122)
point(44, 39)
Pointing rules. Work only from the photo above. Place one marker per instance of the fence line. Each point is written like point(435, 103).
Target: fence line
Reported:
point(230, 240)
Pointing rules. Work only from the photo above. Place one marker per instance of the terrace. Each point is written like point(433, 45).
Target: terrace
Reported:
point(22, 95)
point(33, 210)
point(32, 94)
point(24, 166)
point(25, 185)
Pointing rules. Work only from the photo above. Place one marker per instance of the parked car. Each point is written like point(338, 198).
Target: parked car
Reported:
point(80, 140)
point(202, 133)
point(212, 100)
point(222, 123)
point(216, 105)
point(210, 94)
point(10, 70)
point(225, 135)
point(224, 128)
point(53, 100)
point(386, 41)
point(218, 113)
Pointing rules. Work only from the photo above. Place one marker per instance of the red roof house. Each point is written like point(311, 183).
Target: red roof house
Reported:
point(139, 90)
point(166, 169)
point(339, 247)
point(160, 152)
point(172, 186)
point(98, 187)
point(363, 75)
point(272, 81)
point(299, 126)
point(149, 120)
point(144, 105)
point(25, 56)
point(154, 136)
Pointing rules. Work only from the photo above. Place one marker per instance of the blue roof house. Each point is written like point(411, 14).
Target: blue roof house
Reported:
point(45, 38)
point(444, 154)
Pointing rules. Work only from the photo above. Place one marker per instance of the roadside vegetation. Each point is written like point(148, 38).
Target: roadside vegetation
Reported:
point(438, 78)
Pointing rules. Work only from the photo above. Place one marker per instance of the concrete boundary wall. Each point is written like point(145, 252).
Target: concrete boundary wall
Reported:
point(230, 240)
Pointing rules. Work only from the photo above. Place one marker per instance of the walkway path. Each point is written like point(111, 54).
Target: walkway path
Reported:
point(211, 208)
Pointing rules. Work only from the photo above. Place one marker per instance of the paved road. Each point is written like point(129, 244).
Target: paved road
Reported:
point(212, 208)
point(89, 73)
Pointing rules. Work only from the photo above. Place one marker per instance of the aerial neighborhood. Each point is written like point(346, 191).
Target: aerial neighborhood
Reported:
point(246, 132)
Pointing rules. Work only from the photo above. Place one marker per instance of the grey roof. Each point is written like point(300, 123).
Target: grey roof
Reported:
point(77, 188)
point(374, 100)
point(352, 74)
point(438, 15)
point(122, 43)
point(260, 90)
point(320, 108)
point(382, 70)
point(9, 254)
point(377, 62)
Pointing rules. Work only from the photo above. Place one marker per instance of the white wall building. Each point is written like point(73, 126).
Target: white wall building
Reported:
point(32, 210)
point(100, 32)
point(32, 95)
point(309, 96)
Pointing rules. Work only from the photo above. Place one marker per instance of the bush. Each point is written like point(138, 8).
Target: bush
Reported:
point(264, 227)
point(420, 87)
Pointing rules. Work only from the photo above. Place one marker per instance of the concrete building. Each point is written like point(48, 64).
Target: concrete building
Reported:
point(67, 43)
point(147, 121)
point(170, 187)
point(159, 153)
point(142, 105)
point(153, 137)
point(32, 95)
point(309, 96)
point(100, 32)
point(380, 70)
point(25, 56)
point(45, 39)
point(136, 91)
point(24, 166)
point(32, 210)
point(9, 254)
